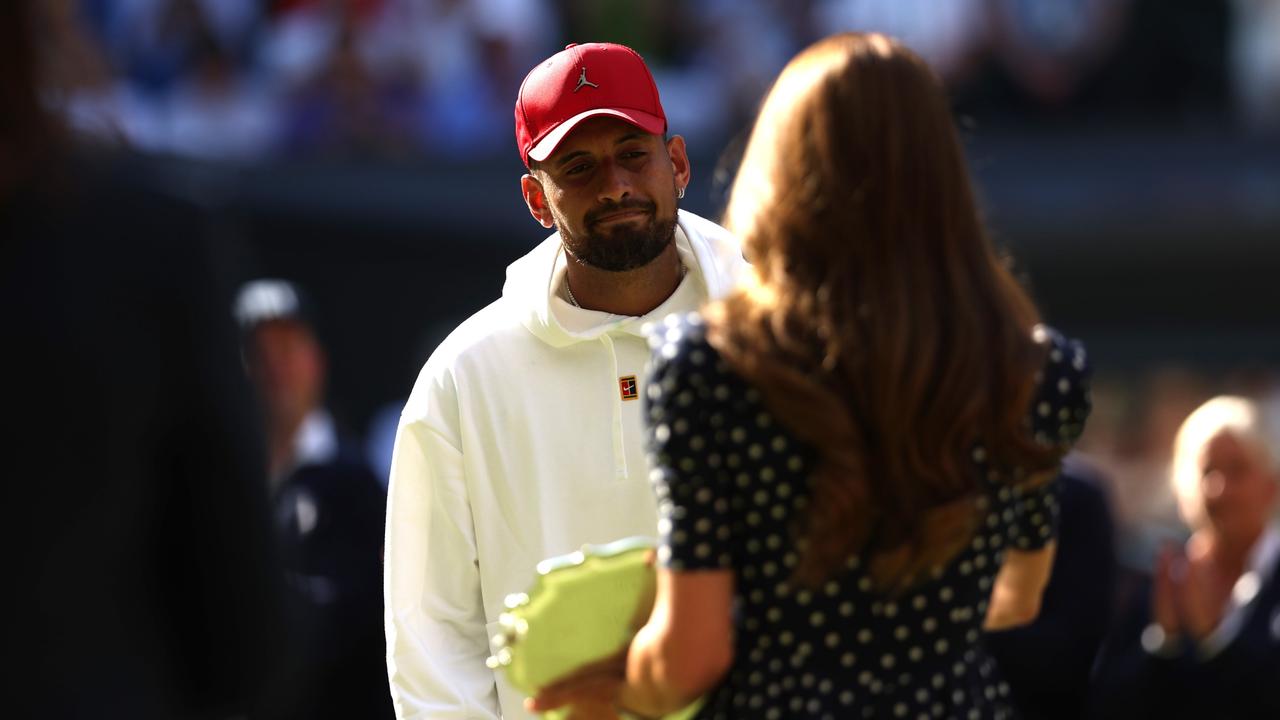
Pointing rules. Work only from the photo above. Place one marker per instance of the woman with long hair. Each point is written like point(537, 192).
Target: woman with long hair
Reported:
point(854, 455)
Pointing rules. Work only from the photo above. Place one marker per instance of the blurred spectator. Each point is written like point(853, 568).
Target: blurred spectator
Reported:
point(1255, 62)
point(157, 42)
point(471, 57)
point(1051, 47)
point(735, 49)
point(1048, 663)
point(393, 78)
point(139, 567)
point(1006, 53)
point(297, 40)
point(713, 59)
point(76, 80)
point(950, 35)
point(183, 86)
point(1204, 639)
point(656, 30)
point(346, 108)
point(214, 111)
point(329, 510)
point(369, 76)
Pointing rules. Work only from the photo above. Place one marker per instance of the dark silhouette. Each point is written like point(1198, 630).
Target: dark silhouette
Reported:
point(140, 566)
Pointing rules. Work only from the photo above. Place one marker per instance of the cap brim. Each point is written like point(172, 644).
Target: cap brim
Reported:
point(548, 144)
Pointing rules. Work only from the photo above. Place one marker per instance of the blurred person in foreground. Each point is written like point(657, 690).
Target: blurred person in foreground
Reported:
point(139, 571)
point(1204, 639)
point(854, 457)
point(522, 437)
point(328, 509)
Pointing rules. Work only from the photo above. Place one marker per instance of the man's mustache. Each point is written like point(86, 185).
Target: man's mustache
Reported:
point(595, 215)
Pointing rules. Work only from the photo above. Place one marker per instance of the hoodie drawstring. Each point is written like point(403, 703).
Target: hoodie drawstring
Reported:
point(619, 450)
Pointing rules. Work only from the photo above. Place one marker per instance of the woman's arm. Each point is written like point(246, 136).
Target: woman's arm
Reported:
point(1015, 599)
point(687, 645)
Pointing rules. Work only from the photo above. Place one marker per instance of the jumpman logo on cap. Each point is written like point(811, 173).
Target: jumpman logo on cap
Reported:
point(582, 80)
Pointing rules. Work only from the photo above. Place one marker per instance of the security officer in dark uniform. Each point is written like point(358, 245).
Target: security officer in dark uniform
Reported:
point(329, 510)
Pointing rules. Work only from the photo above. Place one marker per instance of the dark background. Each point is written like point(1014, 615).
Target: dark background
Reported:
point(1127, 153)
point(1154, 247)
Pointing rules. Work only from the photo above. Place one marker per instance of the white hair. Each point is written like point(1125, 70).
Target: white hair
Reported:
point(1239, 417)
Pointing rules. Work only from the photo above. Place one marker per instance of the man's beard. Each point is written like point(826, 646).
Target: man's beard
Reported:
point(626, 246)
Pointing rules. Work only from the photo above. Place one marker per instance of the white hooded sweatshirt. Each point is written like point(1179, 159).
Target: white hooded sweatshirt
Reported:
point(519, 441)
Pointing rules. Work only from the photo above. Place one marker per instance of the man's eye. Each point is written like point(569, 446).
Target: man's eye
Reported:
point(631, 155)
point(576, 169)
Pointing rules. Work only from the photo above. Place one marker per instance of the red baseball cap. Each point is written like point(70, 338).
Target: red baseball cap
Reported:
point(579, 82)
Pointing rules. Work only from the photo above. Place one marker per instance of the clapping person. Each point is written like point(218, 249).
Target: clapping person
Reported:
point(1204, 641)
point(854, 456)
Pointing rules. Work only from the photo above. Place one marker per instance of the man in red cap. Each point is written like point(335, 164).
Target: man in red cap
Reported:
point(523, 437)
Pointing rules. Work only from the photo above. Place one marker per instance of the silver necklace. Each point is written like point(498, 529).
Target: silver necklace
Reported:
point(574, 301)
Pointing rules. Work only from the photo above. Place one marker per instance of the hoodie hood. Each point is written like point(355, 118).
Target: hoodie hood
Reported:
point(711, 256)
point(708, 251)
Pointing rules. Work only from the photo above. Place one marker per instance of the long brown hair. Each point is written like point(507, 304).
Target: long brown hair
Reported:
point(884, 329)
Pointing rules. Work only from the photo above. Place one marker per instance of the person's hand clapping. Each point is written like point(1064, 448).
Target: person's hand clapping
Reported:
point(1164, 595)
point(1185, 598)
point(1201, 599)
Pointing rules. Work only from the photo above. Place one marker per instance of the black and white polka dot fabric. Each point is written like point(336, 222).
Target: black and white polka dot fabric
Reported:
point(729, 480)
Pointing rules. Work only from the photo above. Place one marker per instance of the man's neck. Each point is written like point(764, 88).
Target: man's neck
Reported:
point(631, 292)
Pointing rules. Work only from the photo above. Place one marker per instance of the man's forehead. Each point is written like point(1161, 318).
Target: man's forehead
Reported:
point(597, 130)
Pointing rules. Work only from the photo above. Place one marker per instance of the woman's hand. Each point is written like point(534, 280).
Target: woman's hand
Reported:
point(591, 691)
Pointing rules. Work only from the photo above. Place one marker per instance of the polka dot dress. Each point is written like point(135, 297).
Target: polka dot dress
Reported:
point(730, 480)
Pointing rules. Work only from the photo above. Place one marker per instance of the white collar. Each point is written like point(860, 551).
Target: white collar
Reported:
point(1265, 555)
point(1260, 565)
point(314, 443)
point(688, 295)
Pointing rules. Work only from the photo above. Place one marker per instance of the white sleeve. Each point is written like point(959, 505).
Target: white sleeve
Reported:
point(435, 623)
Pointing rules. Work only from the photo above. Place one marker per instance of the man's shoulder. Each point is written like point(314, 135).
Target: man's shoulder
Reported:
point(716, 251)
point(493, 331)
point(700, 229)
point(493, 327)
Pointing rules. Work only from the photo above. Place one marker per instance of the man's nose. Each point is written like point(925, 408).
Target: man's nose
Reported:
point(1212, 485)
point(615, 183)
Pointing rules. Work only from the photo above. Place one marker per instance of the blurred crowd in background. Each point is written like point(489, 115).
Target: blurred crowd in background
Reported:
point(430, 83)
point(247, 80)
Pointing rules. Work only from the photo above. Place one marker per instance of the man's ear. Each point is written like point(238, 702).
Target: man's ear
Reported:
point(536, 199)
point(679, 161)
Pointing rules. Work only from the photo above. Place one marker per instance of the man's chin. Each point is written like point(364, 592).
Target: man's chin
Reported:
point(623, 246)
